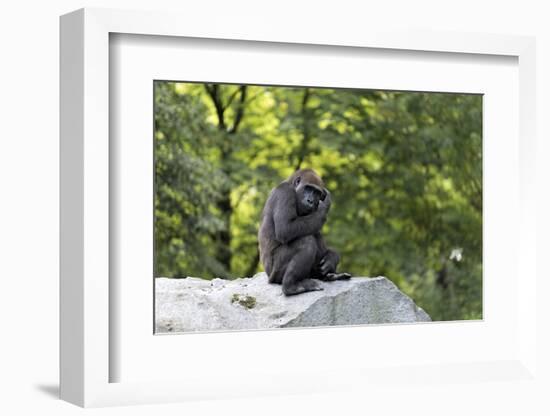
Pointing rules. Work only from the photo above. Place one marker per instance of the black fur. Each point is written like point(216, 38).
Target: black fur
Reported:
point(292, 248)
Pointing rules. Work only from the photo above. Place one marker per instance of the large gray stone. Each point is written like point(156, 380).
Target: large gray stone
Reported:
point(192, 304)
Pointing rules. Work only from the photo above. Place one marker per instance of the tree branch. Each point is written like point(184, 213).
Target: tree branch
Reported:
point(231, 98)
point(240, 110)
point(213, 92)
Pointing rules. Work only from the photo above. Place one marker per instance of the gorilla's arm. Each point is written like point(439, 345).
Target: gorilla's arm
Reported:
point(288, 225)
point(329, 258)
point(326, 268)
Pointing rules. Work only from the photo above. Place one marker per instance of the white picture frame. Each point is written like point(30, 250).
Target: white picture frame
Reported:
point(86, 356)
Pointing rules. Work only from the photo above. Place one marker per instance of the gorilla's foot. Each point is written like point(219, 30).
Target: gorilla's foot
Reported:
point(330, 277)
point(306, 285)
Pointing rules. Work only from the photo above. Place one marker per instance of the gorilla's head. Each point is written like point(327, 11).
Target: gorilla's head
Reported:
point(310, 189)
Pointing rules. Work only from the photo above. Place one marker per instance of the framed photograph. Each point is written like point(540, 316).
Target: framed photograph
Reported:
point(218, 189)
point(400, 168)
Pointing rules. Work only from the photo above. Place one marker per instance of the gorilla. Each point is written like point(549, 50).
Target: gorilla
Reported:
point(292, 249)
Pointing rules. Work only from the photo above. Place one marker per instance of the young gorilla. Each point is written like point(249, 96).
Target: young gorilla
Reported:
point(292, 249)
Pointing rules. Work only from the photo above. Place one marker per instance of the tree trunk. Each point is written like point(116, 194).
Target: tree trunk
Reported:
point(306, 136)
point(223, 237)
point(253, 264)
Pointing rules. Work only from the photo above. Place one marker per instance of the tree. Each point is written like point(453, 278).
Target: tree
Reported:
point(404, 170)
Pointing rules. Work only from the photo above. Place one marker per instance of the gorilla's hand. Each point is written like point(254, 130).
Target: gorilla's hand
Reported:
point(328, 263)
point(324, 206)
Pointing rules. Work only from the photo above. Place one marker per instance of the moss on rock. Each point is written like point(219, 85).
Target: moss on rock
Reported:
point(245, 301)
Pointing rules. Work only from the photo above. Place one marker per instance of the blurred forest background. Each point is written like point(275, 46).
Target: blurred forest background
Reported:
point(404, 170)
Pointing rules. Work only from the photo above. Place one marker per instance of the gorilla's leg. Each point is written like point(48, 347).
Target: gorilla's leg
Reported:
point(297, 276)
point(279, 259)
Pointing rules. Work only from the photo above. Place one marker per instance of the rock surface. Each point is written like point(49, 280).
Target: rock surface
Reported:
point(192, 304)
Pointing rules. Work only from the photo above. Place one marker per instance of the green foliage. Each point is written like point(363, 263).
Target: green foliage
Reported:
point(404, 170)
